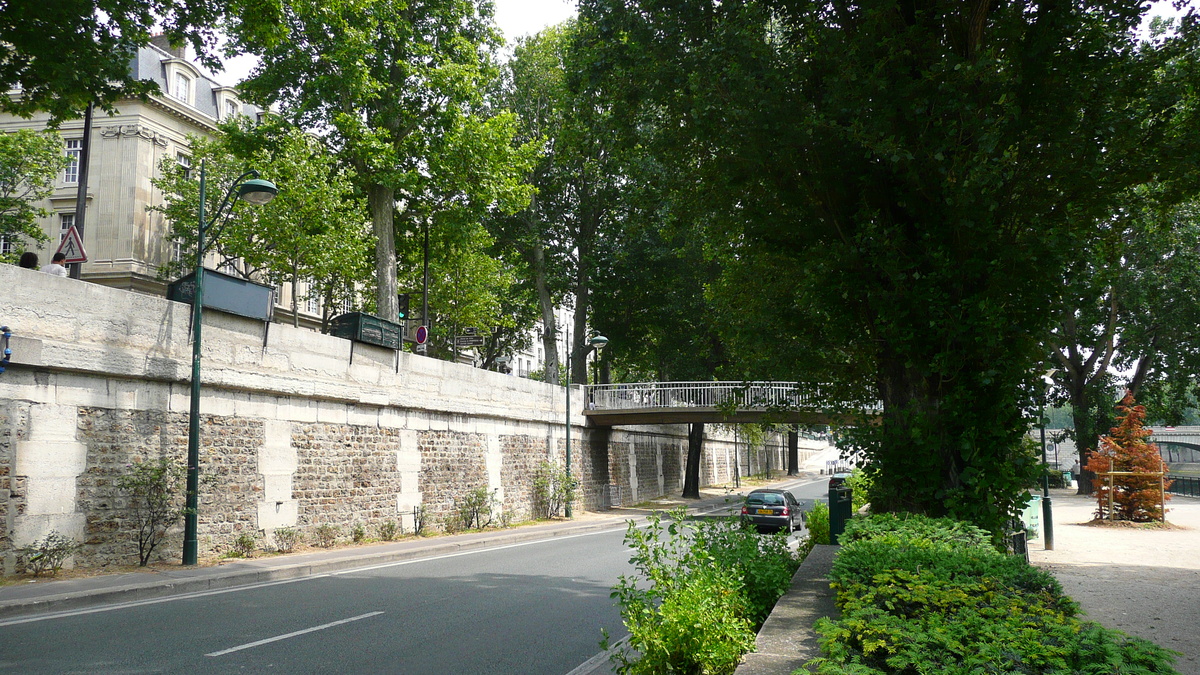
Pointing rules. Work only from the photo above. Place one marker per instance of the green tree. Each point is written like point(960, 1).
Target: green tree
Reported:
point(396, 88)
point(314, 231)
point(1129, 319)
point(69, 54)
point(29, 163)
point(894, 190)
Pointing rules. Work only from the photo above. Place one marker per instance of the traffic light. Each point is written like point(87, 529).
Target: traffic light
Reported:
point(402, 304)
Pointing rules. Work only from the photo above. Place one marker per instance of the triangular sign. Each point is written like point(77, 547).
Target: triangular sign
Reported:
point(72, 246)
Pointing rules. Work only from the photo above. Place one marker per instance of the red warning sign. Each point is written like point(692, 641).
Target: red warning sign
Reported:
point(72, 246)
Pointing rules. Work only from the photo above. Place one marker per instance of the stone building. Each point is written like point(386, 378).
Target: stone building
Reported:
point(125, 242)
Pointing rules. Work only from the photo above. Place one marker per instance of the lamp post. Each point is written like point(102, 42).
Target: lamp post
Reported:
point(597, 343)
point(1047, 514)
point(251, 188)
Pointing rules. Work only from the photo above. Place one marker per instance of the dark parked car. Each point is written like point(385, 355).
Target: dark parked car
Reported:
point(772, 510)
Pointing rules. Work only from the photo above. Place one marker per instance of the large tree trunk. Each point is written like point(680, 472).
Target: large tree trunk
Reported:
point(691, 473)
point(381, 202)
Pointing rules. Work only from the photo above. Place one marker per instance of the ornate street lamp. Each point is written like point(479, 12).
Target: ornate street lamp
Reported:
point(1047, 514)
point(597, 343)
point(247, 187)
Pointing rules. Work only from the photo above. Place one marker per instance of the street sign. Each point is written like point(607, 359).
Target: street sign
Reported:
point(469, 332)
point(72, 247)
point(422, 334)
point(469, 341)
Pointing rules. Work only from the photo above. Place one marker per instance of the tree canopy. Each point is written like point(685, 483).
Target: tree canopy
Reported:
point(896, 188)
point(29, 164)
point(65, 55)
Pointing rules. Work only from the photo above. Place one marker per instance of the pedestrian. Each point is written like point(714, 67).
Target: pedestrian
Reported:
point(29, 260)
point(56, 266)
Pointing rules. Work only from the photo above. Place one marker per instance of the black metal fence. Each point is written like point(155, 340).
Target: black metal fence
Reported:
point(1187, 486)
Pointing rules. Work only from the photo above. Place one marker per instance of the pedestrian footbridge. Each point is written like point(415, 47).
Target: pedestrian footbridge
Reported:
point(716, 402)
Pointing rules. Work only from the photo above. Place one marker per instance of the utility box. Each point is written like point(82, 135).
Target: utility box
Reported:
point(841, 507)
point(227, 293)
point(367, 328)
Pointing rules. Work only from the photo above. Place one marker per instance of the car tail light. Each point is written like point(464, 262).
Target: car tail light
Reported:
point(785, 511)
point(745, 511)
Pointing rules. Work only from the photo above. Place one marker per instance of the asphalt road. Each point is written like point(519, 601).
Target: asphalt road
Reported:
point(526, 608)
point(530, 608)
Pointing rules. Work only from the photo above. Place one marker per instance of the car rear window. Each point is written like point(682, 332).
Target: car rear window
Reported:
point(768, 498)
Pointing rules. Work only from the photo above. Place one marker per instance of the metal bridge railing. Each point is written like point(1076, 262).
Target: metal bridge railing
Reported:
point(738, 395)
point(1186, 486)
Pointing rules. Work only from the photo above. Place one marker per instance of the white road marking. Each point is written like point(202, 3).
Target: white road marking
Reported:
point(588, 667)
point(265, 584)
point(277, 638)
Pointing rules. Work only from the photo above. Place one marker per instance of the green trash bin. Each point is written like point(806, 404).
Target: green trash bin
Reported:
point(1031, 516)
point(841, 501)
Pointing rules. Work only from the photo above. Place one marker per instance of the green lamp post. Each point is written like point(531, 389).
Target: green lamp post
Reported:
point(597, 343)
point(248, 187)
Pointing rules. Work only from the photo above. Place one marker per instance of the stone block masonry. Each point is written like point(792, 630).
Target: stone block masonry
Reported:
point(292, 434)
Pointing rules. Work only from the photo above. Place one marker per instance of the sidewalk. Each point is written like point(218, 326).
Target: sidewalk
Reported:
point(1144, 582)
point(21, 599)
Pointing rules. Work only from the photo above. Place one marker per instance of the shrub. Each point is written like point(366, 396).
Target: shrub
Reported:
point(698, 596)
point(286, 539)
point(358, 533)
point(473, 511)
point(922, 595)
point(388, 530)
point(817, 521)
point(48, 553)
point(245, 545)
point(552, 491)
point(155, 488)
point(860, 482)
point(326, 535)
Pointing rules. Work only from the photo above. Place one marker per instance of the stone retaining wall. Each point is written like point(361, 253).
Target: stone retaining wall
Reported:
point(297, 429)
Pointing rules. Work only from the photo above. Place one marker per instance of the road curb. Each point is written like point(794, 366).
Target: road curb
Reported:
point(224, 577)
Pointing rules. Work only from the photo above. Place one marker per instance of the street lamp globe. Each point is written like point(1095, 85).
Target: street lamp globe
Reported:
point(599, 342)
point(257, 191)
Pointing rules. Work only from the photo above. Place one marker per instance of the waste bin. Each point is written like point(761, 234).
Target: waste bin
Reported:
point(841, 502)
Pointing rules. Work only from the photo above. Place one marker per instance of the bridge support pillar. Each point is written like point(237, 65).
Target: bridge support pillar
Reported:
point(793, 460)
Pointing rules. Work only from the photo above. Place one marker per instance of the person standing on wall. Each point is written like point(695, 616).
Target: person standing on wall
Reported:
point(56, 266)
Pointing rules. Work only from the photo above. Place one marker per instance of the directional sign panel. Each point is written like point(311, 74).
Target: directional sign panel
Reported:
point(469, 332)
point(469, 341)
point(72, 246)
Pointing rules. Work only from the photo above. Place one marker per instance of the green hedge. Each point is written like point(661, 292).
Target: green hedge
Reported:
point(922, 595)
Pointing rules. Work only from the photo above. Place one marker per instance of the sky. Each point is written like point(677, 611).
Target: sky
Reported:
point(516, 18)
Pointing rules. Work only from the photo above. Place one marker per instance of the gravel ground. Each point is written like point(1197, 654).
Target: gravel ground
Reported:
point(1145, 582)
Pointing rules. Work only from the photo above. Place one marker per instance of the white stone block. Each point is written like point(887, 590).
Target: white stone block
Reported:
point(278, 513)
point(28, 528)
point(332, 413)
point(50, 459)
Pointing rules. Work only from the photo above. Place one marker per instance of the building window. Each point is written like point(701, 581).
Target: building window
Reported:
point(231, 108)
point(71, 173)
point(312, 304)
point(185, 162)
point(6, 246)
point(181, 88)
point(65, 222)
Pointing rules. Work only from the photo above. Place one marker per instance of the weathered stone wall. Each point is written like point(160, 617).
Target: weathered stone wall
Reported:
point(298, 429)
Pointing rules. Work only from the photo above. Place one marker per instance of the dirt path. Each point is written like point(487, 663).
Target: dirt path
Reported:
point(1145, 582)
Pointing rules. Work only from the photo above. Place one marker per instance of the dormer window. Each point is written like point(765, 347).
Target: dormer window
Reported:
point(181, 88)
point(231, 109)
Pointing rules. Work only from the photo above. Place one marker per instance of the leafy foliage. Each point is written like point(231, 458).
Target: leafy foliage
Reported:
point(82, 54)
point(926, 595)
point(29, 163)
point(697, 600)
point(326, 535)
point(396, 89)
point(48, 553)
point(878, 173)
point(553, 489)
point(473, 510)
point(314, 231)
point(1136, 498)
point(286, 539)
point(156, 495)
